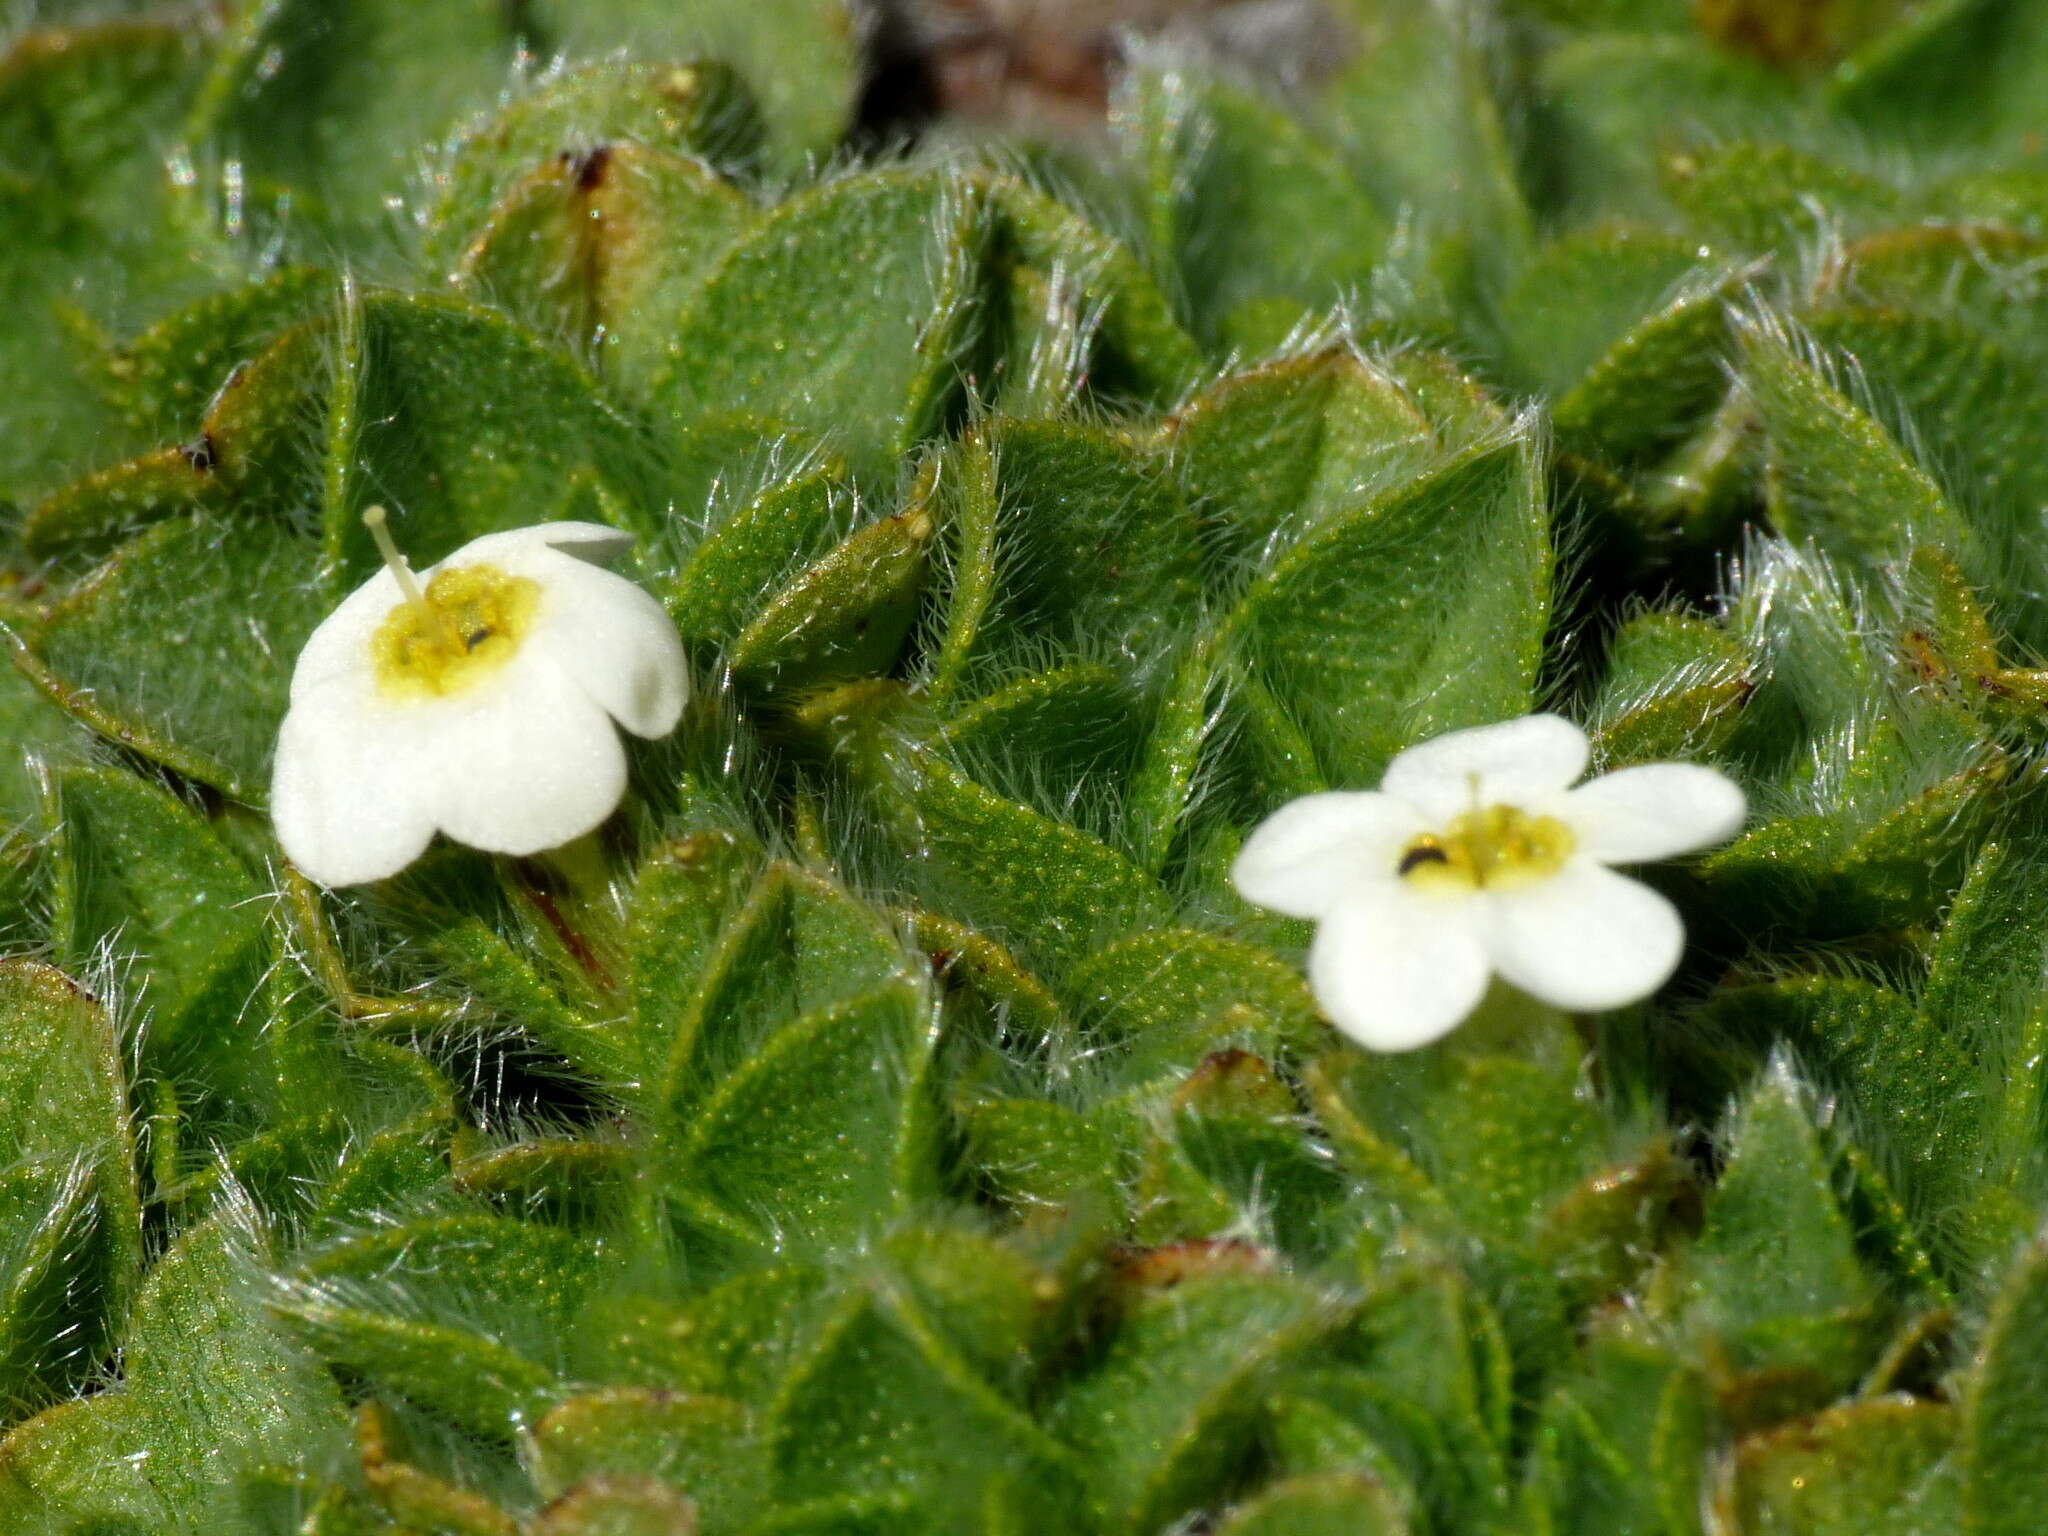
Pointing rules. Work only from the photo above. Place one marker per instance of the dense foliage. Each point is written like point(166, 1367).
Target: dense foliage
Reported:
point(894, 1122)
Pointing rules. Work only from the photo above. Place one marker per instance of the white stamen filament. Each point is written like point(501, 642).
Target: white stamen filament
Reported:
point(374, 520)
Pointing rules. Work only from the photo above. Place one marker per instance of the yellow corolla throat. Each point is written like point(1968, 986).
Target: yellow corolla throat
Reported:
point(462, 627)
point(1494, 848)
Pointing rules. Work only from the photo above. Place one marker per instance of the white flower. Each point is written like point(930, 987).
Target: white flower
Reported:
point(478, 701)
point(1476, 856)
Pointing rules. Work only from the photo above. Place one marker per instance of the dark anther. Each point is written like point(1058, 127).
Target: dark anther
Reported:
point(590, 167)
point(1428, 853)
point(472, 638)
point(201, 453)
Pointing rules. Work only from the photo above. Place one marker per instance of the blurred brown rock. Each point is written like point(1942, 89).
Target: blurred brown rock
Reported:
point(1049, 66)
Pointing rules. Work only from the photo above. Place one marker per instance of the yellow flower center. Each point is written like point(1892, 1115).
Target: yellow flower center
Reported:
point(466, 624)
point(1494, 848)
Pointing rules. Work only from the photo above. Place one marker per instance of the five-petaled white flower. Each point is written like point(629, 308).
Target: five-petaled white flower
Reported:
point(1477, 856)
point(476, 700)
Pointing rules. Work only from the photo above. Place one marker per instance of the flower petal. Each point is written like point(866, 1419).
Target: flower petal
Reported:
point(1586, 938)
point(1653, 812)
point(528, 762)
point(591, 543)
point(340, 645)
point(345, 791)
point(1313, 853)
point(1515, 763)
point(1395, 971)
point(614, 640)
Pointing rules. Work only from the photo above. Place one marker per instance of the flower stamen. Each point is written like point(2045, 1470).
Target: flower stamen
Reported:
point(1494, 847)
point(377, 522)
point(465, 623)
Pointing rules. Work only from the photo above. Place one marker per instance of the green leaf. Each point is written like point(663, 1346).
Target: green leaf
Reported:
point(1171, 1404)
point(1497, 1124)
point(1835, 474)
point(70, 1215)
point(1033, 1153)
point(1505, 1139)
point(1921, 1108)
point(1759, 197)
point(963, 493)
point(140, 872)
point(1958, 73)
point(1879, 1468)
point(1051, 887)
point(210, 1393)
point(1983, 994)
point(1774, 1273)
point(1314, 1440)
point(572, 131)
point(85, 107)
point(1433, 1383)
point(881, 1399)
point(1899, 836)
point(1380, 1167)
point(113, 504)
point(1154, 1002)
point(1238, 1126)
point(1581, 1481)
point(1597, 1238)
point(2014, 196)
point(1067, 723)
point(1083, 311)
point(845, 616)
point(1167, 779)
point(1332, 1504)
point(462, 424)
point(877, 267)
point(702, 1446)
point(164, 380)
point(2003, 1405)
point(1597, 1435)
point(801, 57)
point(757, 549)
point(1674, 688)
point(461, 1315)
point(138, 652)
point(1418, 101)
point(413, 1497)
point(1982, 274)
point(95, 232)
point(1610, 115)
point(1886, 785)
point(780, 1031)
point(1618, 273)
point(731, 1341)
point(335, 98)
point(572, 1180)
point(824, 1132)
point(1654, 384)
point(601, 250)
point(35, 732)
point(613, 1505)
point(684, 895)
point(708, 1004)
point(252, 451)
point(1975, 407)
point(1419, 613)
point(1635, 369)
point(1293, 444)
point(499, 979)
point(1094, 542)
point(1243, 202)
